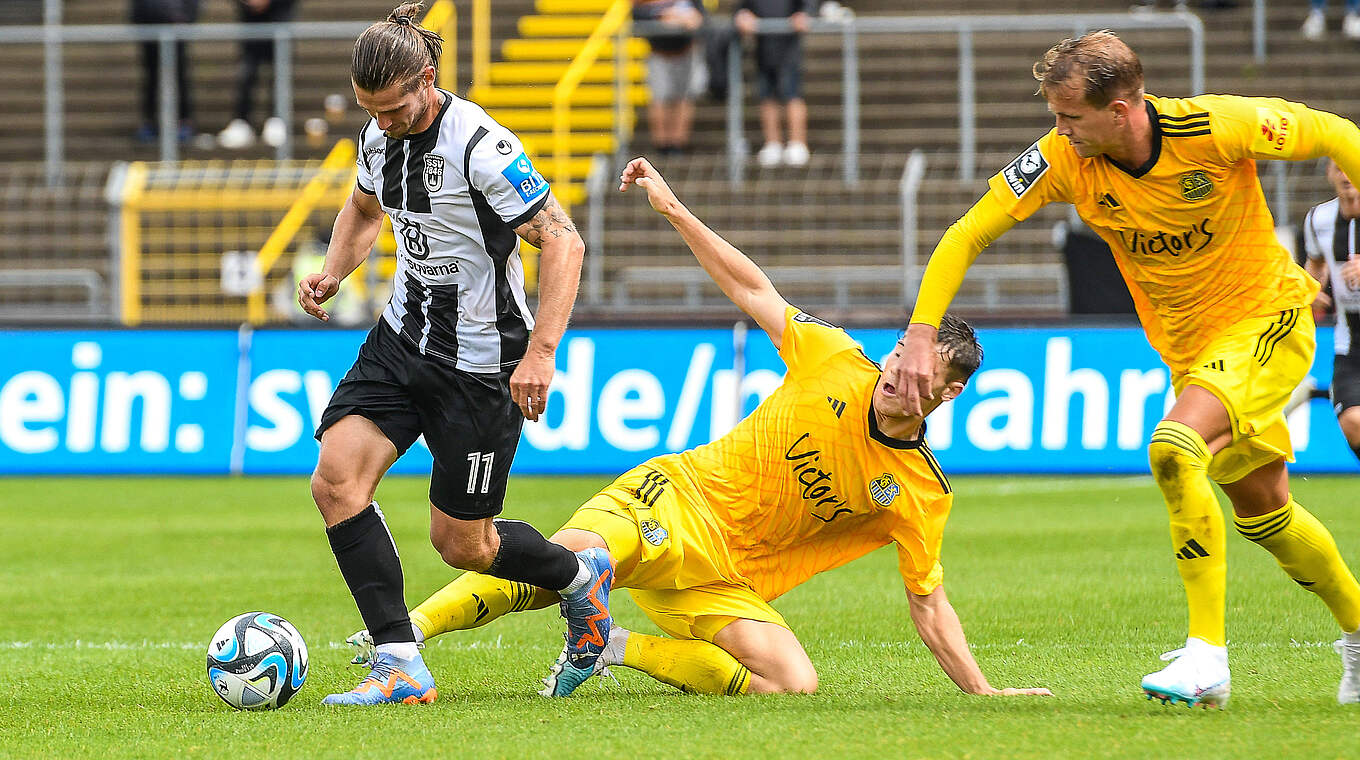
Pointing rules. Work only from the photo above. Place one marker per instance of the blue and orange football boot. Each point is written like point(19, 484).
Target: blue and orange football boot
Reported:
point(588, 624)
point(390, 680)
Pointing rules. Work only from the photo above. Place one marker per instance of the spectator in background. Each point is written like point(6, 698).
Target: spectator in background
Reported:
point(779, 76)
point(164, 12)
point(1315, 25)
point(239, 133)
point(1329, 237)
point(676, 73)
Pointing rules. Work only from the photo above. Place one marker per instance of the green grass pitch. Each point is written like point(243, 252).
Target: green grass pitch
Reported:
point(110, 588)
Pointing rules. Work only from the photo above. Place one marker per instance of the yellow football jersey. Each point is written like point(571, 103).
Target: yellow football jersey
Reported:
point(807, 482)
point(1190, 229)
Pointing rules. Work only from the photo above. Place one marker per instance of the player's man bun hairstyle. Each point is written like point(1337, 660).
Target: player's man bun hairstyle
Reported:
point(1099, 63)
point(395, 51)
point(959, 345)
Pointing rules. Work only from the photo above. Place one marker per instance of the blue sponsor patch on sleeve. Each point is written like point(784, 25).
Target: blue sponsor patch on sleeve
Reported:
point(525, 178)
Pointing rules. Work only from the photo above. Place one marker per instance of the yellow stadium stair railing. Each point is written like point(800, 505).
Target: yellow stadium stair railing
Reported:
point(619, 13)
point(179, 222)
point(569, 42)
point(553, 68)
point(556, 88)
point(336, 173)
point(443, 18)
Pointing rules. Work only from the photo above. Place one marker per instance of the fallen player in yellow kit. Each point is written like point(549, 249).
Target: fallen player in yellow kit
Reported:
point(828, 468)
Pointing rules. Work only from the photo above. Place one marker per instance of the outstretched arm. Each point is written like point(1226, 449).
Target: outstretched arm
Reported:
point(961, 244)
point(1314, 135)
point(940, 629)
point(738, 277)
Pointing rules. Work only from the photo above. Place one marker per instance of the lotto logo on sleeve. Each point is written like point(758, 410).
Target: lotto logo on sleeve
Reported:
point(1024, 171)
point(1275, 132)
point(525, 178)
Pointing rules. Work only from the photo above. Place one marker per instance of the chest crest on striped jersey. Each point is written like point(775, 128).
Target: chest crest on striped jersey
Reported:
point(434, 172)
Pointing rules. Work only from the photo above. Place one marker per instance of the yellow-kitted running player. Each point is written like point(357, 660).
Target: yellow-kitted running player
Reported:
point(1171, 185)
point(827, 469)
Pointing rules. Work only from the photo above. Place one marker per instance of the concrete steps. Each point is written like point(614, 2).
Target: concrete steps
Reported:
point(792, 221)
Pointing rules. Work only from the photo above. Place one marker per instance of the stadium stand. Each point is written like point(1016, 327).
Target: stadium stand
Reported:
point(797, 222)
point(806, 218)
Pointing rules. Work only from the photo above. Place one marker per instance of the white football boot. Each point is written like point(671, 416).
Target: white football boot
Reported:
point(1348, 646)
point(1198, 675)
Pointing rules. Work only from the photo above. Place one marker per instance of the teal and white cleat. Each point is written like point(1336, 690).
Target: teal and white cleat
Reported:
point(1198, 675)
point(563, 677)
point(587, 613)
point(390, 680)
point(1349, 649)
point(365, 650)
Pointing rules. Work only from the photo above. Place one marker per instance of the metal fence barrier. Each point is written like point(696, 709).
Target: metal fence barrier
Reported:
point(53, 35)
point(61, 283)
point(849, 29)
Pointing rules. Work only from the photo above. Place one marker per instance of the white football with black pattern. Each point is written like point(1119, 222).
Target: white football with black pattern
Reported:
point(257, 661)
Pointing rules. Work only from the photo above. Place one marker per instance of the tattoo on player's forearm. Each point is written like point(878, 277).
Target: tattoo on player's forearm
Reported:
point(550, 221)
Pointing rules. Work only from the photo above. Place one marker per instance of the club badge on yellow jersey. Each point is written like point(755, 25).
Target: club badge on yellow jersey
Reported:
point(884, 489)
point(653, 532)
point(1195, 185)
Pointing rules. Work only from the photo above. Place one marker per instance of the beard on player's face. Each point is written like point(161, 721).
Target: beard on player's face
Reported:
point(400, 109)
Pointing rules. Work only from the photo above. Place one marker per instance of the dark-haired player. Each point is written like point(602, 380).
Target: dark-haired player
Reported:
point(1330, 238)
point(456, 357)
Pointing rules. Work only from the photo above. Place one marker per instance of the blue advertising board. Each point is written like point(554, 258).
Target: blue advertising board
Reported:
point(1071, 400)
point(116, 401)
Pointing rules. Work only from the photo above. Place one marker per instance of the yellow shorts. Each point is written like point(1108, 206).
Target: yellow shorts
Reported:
point(1252, 368)
point(672, 560)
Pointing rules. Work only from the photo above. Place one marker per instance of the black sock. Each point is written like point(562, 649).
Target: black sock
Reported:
point(1356, 451)
point(526, 556)
point(368, 560)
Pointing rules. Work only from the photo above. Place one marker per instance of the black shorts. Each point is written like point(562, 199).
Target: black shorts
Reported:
point(779, 67)
point(469, 421)
point(1345, 382)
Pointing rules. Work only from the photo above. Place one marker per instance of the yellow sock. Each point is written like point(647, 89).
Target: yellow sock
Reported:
point(1180, 465)
point(690, 665)
point(1307, 552)
point(473, 600)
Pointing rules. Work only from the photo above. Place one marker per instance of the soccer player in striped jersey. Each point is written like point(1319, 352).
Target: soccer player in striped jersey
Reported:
point(456, 357)
point(828, 468)
point(1171, 185)
point(1330, 233)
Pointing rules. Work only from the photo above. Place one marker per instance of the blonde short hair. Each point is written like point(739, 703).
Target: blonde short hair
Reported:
point(1099, 63)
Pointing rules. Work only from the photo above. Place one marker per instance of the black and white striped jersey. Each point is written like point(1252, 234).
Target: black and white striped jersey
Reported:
point(1326, 235)
point(455, 194)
